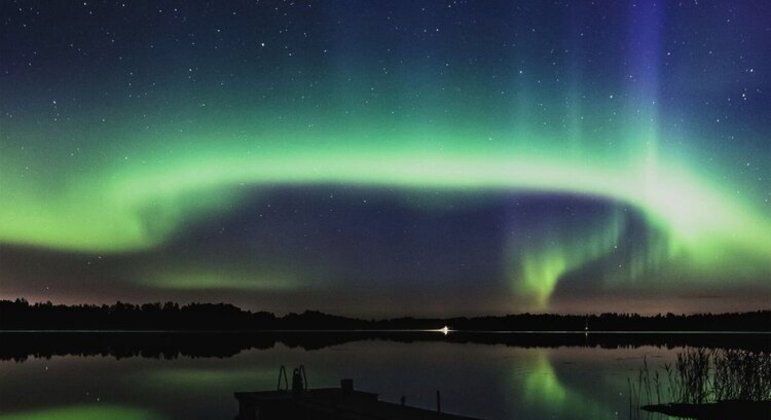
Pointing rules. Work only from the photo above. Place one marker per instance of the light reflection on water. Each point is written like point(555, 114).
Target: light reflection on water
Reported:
point(480, 380)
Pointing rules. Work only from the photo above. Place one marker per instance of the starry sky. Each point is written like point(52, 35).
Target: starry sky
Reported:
point(387, 158)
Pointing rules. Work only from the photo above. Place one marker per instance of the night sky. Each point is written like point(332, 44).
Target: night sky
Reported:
point(384, 158)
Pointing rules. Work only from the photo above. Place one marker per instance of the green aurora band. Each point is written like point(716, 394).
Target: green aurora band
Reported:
point(136, 206)
point(115, 172)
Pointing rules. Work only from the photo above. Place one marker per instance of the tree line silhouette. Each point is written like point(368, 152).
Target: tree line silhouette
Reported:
point(22, 315)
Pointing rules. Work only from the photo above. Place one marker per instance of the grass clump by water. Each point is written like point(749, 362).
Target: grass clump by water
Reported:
point(701, 376)
point(741, 375)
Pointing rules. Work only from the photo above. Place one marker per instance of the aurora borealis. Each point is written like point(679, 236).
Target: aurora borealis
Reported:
point(388, 158)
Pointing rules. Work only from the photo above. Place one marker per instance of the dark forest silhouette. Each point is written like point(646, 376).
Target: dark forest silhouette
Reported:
point(169, 316)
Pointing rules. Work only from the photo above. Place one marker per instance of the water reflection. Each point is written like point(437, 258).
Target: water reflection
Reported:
point(486, 377)
point(170, 345)
point(85, 412)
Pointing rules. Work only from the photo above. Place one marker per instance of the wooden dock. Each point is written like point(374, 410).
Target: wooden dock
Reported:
point(342, 403)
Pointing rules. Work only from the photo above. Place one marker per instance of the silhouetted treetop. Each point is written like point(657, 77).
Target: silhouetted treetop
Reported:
point(21, 315)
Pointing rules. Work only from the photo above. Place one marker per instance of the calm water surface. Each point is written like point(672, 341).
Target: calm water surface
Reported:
point(491, 381)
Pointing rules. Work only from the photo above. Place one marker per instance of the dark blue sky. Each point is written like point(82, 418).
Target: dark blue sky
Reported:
point(388, 158)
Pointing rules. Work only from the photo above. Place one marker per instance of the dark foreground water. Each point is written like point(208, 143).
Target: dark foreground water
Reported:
point(176, 376)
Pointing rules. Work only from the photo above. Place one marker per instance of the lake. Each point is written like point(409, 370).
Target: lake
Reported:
point(491, 376)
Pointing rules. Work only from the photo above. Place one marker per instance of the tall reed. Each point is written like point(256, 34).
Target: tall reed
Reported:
point(702, 376)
